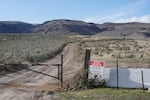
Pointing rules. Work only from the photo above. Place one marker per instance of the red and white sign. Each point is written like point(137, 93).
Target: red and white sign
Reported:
point(96, 68)
point(98, 64)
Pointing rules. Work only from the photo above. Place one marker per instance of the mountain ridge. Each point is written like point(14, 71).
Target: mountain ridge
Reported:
point(65, 26)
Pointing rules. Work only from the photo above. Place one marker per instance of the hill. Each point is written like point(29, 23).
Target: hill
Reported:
point(63, 26)
point(67, 27)
point(51, 27)
point(134, 29)
point(15, 27)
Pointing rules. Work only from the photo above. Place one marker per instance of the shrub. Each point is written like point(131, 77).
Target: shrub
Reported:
point(95, 82)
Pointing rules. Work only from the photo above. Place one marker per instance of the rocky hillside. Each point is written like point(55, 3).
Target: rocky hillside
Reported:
point(67, 27)
point(51, 27)
point(62, 26)
point(133, 29)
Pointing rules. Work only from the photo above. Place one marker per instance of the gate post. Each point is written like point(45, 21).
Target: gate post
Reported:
point(61, 77)
point(58, 71)
point(86, 65)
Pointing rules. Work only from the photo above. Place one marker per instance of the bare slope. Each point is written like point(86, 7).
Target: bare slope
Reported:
point(63, 26)
point(138, 30)
point(67, 27)
point(52, 27)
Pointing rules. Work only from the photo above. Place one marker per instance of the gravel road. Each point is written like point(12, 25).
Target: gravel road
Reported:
point(28, 85)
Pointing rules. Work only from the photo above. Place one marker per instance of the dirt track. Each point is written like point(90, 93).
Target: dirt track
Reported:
point(28, 85)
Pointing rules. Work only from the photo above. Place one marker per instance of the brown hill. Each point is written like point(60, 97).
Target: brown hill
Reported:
point(62, 26)
point(67, 27)
point(15, 27)
point(134, 29)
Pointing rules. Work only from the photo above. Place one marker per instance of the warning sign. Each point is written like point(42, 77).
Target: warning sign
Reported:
point(96, 69)
point(97, 64)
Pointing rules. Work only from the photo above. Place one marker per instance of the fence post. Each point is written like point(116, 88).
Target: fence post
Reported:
point(86, 65)
point(117, 73)
point(61, 77)
point(142, 80)
point(58, 71)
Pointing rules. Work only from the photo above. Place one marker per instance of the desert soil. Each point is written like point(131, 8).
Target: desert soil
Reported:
point(28, 85)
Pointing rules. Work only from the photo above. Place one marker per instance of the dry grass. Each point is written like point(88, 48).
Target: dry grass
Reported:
point(18, 48)
point(130, 52)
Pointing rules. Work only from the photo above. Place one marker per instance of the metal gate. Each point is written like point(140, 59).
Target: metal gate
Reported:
point(27, 67)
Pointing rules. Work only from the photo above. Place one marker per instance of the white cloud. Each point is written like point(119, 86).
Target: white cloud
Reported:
point(127, 13)
point(144, 19)
point(119, 18)
point(34, 22)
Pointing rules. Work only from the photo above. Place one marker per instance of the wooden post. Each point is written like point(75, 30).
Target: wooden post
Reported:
point(86, 65)
point(142, 80)
point(117, 73)
point(58, 71)
point(28, 53)
point(61, 78)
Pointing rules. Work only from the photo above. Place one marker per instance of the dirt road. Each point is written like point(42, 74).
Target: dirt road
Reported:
point(28, 85)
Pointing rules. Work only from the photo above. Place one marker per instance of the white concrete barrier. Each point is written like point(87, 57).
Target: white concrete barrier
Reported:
point(127, 77)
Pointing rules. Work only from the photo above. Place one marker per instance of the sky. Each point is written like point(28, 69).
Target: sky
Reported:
point(96, 11)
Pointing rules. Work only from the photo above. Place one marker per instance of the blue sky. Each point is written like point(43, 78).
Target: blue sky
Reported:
point(97, 11)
